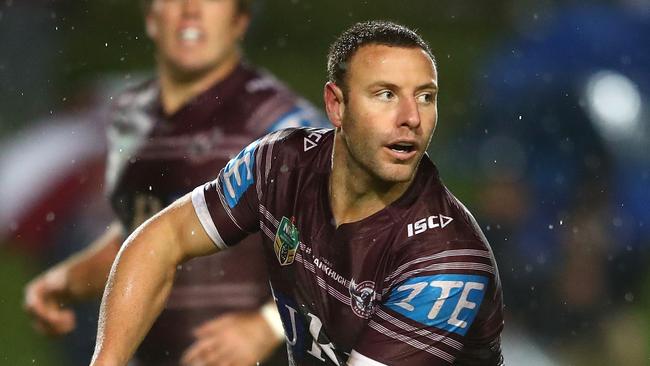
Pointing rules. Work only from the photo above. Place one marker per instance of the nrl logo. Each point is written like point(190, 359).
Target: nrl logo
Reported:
point(362, 298)
point(286, 241)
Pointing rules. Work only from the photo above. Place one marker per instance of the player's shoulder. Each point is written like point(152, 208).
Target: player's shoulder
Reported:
point(439, 238)
point(278, 154)
point(296, 147)
point(276, 105)
point(137, 95)
point(437, 220)
point(131, 108)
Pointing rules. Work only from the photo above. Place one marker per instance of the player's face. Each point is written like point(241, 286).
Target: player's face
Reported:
point(195, 36)
point(391, 110)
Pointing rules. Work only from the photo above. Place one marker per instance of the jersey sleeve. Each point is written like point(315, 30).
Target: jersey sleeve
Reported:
point(437, 308)
point(229, 206)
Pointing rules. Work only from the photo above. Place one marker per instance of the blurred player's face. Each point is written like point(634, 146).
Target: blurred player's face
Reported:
point(195, 36)
point(390, 113)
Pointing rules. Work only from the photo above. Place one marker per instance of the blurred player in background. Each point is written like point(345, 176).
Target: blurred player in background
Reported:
point(166, 136)
point(371, 259)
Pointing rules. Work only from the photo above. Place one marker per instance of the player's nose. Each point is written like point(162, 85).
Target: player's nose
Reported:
point(408, 115)
point(191, 8)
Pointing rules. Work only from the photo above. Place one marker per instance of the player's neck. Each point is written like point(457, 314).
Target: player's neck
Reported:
point(354, 193)
point(176, 88)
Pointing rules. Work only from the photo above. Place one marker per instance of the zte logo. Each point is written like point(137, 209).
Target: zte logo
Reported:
point(428, 223)
point(237, 175)
point(448, 301)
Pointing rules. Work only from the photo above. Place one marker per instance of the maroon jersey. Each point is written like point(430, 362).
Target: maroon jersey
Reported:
point(413, 284)
point(155, 158)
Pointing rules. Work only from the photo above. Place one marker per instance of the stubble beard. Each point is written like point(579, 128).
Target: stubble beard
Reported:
point(368, 158)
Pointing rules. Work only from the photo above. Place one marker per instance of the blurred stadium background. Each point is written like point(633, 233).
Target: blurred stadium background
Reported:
point(544, 133)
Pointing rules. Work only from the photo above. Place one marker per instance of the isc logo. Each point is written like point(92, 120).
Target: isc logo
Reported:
point(448, 301)
point(427, 223)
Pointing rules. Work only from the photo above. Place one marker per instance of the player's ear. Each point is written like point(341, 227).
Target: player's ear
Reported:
point(151, 27)
point(334, 103)
point(241, 23)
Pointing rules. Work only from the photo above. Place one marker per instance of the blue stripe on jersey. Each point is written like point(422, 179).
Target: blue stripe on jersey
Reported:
point(238, 175)
point(303, 115)
point(444, 301)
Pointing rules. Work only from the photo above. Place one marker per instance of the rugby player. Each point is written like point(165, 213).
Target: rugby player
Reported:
point(372, 261)
point(167, 136)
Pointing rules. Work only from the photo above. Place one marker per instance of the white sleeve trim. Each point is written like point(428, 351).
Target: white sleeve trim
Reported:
point(201, 209)
point(357, 359)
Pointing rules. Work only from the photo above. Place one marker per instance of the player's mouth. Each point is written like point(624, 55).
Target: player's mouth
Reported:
point(403, 150)
point(190, 35)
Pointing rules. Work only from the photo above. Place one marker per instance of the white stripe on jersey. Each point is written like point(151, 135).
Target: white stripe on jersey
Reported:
point(442, 267)
point(412, 342)
point(225, 205)
point(322, 283)
point(266, 143)
point(357, 359)
point(266, 230)
point(423, 332)
point(269, 216)
point(201, 209)
point(443, 254)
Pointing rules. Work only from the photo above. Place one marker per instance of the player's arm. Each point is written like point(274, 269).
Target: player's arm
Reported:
point(82, 276)
point(142, 276)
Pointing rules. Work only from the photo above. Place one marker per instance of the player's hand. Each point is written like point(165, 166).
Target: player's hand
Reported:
point(45, 298)
point(234, 339)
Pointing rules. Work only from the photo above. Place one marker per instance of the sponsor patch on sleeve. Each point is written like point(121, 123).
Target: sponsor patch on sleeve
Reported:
point(445, 301)
point(237, 175)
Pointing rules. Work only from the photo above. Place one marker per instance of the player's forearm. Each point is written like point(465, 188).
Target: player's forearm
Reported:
point(141, 279)
point(87, 271)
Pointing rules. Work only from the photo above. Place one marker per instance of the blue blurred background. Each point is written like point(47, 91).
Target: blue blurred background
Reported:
point(544, 133)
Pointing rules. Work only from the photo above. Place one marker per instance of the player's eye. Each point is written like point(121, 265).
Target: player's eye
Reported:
point(425, 98)
point(386, 95)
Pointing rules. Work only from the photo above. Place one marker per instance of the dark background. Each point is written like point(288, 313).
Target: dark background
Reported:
point(500, 62)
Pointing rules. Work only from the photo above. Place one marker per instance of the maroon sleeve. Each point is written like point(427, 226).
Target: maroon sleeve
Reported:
point(229, 206)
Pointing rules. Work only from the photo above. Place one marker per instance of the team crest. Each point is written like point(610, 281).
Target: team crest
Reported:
point(286, 241)
point(362, 298)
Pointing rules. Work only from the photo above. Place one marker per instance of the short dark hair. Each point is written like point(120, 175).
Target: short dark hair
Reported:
point(243, 6)
point(378, 32)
